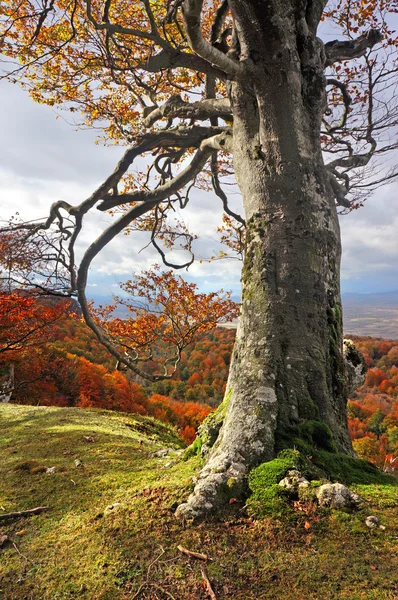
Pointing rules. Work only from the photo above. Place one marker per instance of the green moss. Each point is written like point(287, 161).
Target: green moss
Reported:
point(335, 330)
point(194, 449)
point(76, 550)
point(307, 436)
point(347, 469)
point(316, 434)
point(268, 498)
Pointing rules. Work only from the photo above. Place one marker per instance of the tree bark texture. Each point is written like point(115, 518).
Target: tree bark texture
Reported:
point(287, 365)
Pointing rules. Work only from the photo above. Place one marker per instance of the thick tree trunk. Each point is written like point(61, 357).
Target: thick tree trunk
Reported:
point(287, 366)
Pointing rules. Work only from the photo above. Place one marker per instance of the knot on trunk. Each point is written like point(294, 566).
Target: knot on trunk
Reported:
point(355, 367)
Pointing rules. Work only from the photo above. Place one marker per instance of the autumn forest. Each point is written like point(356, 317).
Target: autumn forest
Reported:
point(57, 361)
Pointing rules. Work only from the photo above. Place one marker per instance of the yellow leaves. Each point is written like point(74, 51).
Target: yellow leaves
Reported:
point(99, 75)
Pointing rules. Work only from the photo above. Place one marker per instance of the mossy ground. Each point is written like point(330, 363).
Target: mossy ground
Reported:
point(78, 550)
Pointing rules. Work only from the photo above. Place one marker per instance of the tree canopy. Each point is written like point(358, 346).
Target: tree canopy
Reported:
point(155, 76)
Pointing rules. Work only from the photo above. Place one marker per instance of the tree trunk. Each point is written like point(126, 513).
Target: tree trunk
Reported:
point(287, 367)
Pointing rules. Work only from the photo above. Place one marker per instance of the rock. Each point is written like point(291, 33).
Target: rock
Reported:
point(51, 470)
point(294, 480)
point(372, 522)
point(204, 450)
point(337, 495)
point(78, 462)
point(163, 453)
point(112, 508)
point(355, 366)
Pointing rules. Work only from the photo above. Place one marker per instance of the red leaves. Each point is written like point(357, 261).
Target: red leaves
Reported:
point(25, 320)
point(373, 415)
point(186, 416)
point(168, 313)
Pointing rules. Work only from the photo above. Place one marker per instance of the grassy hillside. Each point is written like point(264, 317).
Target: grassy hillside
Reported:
point(82, 549)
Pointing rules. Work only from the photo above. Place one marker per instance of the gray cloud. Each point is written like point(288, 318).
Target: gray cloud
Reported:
point(370, 244)
point(37, 145)
point(43, 159)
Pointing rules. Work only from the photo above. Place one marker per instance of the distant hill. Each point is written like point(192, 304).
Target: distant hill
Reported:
point(364, 314)
point(375, 315)
point(371, 314)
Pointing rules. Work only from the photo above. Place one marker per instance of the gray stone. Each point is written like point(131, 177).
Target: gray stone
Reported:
point(163, 452)
point(355, 367)
point(112, 508)
point(4, 539)
point(372, 522)
point(337, 495)
point(294, 480)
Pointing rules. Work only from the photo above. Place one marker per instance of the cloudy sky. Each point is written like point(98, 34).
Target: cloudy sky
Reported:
point(43, 159)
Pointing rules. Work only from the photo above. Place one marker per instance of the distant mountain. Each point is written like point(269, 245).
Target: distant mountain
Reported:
point(380, 299)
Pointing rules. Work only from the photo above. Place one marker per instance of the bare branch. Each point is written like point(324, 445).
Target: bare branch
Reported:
point(347, 101)
point(172, 59)
point(337, 51)
point(220, 192)
point(218, 21)
point(146, 200)
point(164, 191)
point(192, 15)
point(176, 107)
point(24, 513)
point(339, 192)
point(114, 28)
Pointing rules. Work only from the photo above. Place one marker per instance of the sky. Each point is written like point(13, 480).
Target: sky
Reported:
point(43, 158)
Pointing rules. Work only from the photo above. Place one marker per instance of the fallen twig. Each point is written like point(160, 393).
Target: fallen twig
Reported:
point(24, 513)
point(147, 584)
point(20, 553)
point(193, 554)
point(210, 590)
point(158, 587)
point(138, 592)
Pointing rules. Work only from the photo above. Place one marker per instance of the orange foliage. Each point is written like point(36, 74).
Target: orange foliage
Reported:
point(373, 411)
point(25, 320)
point(374, 377)
point(168, 314)
point(196, 378)
point(180, 414)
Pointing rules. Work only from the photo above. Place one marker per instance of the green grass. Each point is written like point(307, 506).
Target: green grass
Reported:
point(79, 550)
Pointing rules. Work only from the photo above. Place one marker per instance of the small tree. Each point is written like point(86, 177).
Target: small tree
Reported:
point(208, 88)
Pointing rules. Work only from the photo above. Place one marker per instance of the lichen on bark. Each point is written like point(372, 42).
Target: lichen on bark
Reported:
point(208, 431)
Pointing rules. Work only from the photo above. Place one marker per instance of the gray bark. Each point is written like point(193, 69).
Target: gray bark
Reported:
point(287, 365)
point(7, 384)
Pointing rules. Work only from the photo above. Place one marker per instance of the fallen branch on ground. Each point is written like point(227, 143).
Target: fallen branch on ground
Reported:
point(24, 513)
point(210, 590)
point(193, 554)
